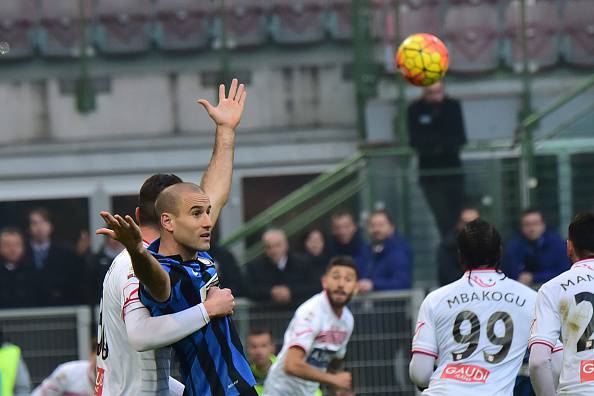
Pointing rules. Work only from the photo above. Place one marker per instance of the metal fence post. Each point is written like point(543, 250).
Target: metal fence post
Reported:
point(83, 331)
point(565, 190)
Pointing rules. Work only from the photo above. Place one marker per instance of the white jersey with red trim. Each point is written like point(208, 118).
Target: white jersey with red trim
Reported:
point(477, 328)
point(323, 336)
point(68, 379)
point(121, 370)
point(564, 310)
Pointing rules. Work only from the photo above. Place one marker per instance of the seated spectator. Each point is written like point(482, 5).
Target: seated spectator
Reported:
point(260, 354)
point(230, 274)
point(97, 266)
point(60, 268)
point(447, 254)
point(279, 276)
point(314, 251)
point(537, 254)
point(346, 239)
point(391, 257)
point(18, 280)
point(13, 370)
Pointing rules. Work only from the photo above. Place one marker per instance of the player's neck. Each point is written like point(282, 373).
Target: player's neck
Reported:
point(170, 247)
point(149, 233)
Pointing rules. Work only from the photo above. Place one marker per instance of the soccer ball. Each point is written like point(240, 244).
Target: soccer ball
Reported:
point(422, 59)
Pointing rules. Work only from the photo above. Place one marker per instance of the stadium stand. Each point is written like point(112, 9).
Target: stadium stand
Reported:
point(340, 22)
point(472, 36)
point(298, 22)
point(183, 25)
point(542, 21)
point(17, 19)
point(61, 27)
point(246, 23)
point(123, 26)
point(423, 18)
point(578, 29)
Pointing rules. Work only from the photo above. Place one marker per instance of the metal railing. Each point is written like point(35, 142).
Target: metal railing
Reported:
point(48, 336)
point(378, 352)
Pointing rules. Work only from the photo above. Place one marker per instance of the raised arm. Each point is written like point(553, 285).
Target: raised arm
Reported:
point(216, 181)
point(146, 267)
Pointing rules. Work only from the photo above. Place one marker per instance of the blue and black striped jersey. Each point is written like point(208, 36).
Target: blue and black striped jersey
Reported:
point(212, 361)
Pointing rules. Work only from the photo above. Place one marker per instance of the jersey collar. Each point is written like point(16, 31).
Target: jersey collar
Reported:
point(585, 263)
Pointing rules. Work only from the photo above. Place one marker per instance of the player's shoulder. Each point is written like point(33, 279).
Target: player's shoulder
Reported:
point(312, 308)
point(519, 287)
point(552, 286)
point(439, 294)
point(73, 366)
point(121, 267)
point(347, 316)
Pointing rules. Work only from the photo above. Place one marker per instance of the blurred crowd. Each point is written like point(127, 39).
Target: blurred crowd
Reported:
point(36, 271)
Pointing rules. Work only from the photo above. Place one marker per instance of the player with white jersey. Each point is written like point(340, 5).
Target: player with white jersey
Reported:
point(564, 309)
point(317, 337)
point(476, 329)
point(74, 378)
point(129, 360)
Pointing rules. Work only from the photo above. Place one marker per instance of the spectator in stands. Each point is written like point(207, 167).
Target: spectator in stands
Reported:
point(97, 266)
point(14, 374)
point(391, 257)
point(436, 132)
point(60, 268)
point(346, 238)
point(18, 280)
point(279, 276)
point(448, 262)
point(260, 354)
point(314, 251)
point(230, 274)
point(537, 254)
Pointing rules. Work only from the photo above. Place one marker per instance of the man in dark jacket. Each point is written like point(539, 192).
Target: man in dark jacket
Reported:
point(60, 268)
point(389, 267)
point(97, 266)
point(536, 254)
point(436, 132)
point(346, 239)
point(18, 281)
point(448, 262)
point(279, 276)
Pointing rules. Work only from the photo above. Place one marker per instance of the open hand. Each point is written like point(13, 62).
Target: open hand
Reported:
point(228, 112)
point(124, 230)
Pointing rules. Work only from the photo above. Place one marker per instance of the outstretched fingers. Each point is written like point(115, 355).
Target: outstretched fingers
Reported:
point(233, 89)
point(106, 231)
point(240, 92)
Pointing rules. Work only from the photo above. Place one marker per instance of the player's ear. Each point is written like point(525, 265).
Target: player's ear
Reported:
point(324, 281)
point(570, 251)
point(167, 221)
point(137, 215)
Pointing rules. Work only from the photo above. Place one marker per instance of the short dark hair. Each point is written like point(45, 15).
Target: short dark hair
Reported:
point(479, 244)
point(382, 212)
point(342, 213)
point(530, 211)
point(581, 235)
point(43, 212)
point(11, 230)
point(259, 331)
point(342, 261)
point(150, 190)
